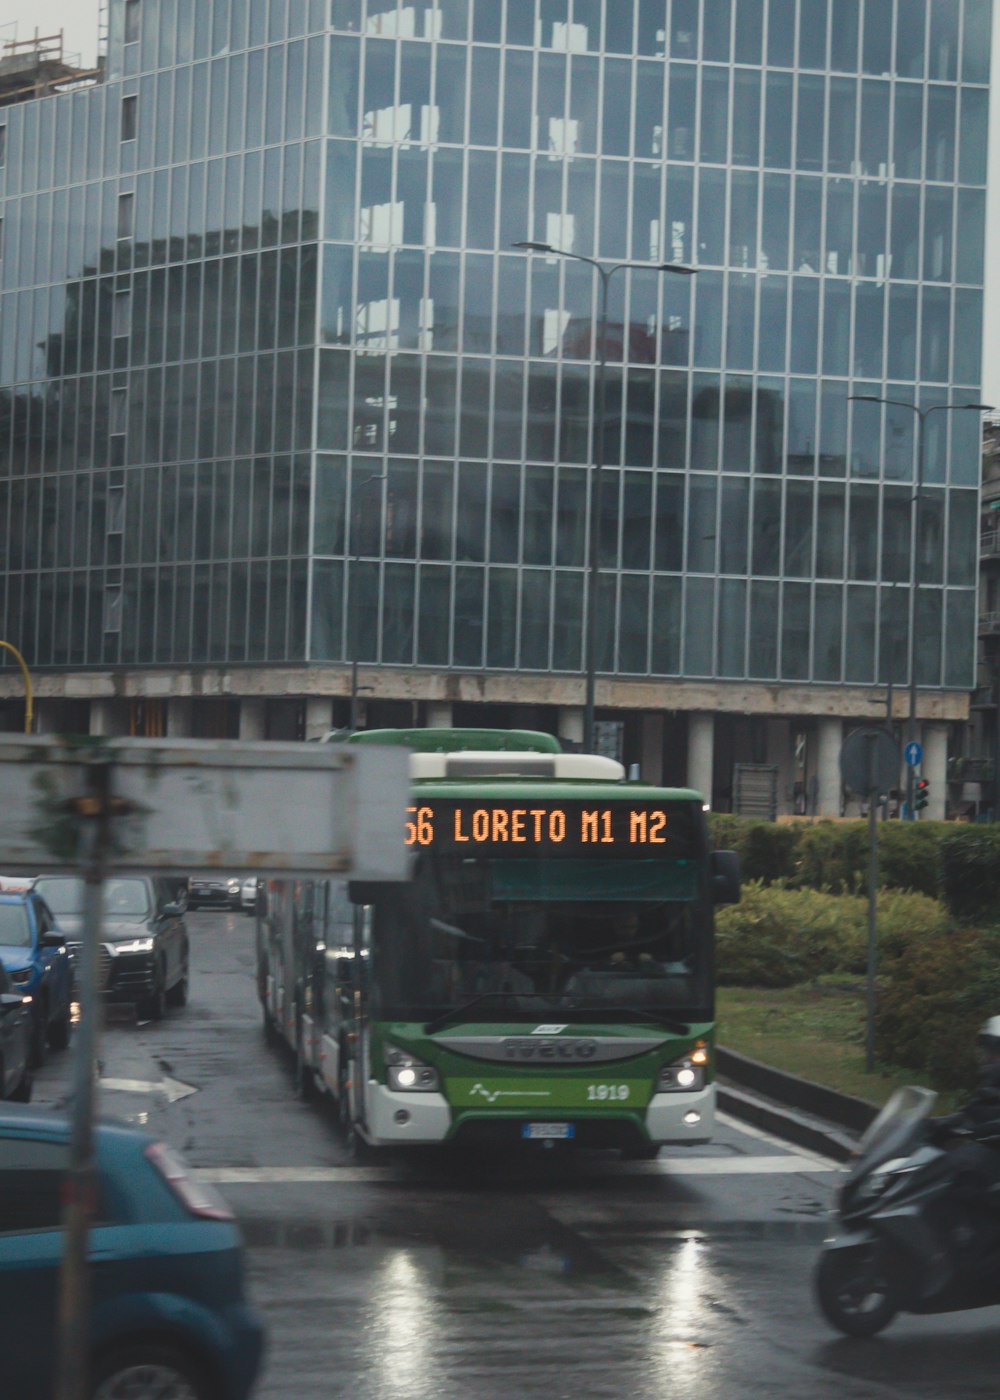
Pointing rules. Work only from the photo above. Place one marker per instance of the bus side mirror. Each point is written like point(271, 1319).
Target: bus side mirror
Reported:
point(725, 868)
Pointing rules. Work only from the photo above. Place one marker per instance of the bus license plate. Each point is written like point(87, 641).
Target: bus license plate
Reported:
point(547, 1130)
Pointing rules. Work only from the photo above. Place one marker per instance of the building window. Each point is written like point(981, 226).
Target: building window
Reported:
point(113, 608)
point(122, 315)
point(3, 142)
point(131, 21)
point(116, 510)
point(126, 215)
point(119, 405)
point(130, 117)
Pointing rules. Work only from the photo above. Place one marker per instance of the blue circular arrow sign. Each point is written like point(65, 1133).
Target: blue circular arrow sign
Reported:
point(913, 753)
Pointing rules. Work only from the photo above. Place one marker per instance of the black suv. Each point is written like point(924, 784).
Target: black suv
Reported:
point(144, 955)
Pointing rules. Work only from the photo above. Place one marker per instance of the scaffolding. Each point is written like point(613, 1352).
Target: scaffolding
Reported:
point(40, 66)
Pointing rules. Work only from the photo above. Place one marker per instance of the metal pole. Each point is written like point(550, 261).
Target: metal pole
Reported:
point(872, 889)
point(892, 730)
point(352, 615)
point(914, 593)
point(29, 695)
point(79, 1202)
point(594, 564)
point(996, 748)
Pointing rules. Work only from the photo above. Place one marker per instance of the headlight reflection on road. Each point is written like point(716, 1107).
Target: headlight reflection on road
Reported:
point(677, 1348)
point(404, 1317)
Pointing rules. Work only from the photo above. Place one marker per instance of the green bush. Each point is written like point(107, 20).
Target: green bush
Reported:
point(905, 919)
point(833, 856)
point(767, 850)
point(941, 990)
point(777, 937)
point(909, 855)
point(970, 873)
point(770, 851)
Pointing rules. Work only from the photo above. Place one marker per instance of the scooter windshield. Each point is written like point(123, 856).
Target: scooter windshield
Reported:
point(893, 1132)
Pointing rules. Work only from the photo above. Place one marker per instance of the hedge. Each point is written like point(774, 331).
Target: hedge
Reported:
point(970, 873)
point(928, 1012)
point(777, 937)
point(957, 863)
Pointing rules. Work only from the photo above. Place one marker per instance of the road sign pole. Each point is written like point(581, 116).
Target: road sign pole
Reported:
point(872, 909)
point(869, 762)
point(92, 813)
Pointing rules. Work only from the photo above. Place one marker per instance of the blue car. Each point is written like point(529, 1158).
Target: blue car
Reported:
point(169, 1315)
point(33, 950)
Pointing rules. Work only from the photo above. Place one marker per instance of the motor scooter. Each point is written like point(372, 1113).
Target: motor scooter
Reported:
point(906, 1242)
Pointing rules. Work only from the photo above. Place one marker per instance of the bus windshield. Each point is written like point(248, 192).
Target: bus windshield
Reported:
point(584, 938)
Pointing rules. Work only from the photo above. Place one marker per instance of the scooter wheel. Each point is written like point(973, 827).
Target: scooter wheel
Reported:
point(856, 1291)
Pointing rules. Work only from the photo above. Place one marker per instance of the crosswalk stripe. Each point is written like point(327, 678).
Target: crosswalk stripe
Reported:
point(788, 1165)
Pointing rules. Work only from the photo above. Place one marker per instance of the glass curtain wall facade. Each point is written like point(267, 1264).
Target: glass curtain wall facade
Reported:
point(269, 259)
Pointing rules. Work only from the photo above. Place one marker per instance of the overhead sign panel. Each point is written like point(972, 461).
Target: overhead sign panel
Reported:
point(186, 806)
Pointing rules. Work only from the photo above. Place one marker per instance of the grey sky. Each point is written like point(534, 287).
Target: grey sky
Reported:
point(79, 19)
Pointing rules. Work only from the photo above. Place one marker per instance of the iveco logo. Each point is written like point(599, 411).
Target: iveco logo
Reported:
point(522, 1047)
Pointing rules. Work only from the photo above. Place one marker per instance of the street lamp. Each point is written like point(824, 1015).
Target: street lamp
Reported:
point(922, 415)
point(594, 557)
point(29, 702)
point(352, 618)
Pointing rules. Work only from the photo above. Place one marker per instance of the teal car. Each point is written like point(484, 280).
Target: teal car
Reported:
point(169, 1314)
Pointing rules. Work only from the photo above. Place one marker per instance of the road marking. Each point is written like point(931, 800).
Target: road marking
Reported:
point(788, 1165)
point(171, 1089)
point(728, 1121)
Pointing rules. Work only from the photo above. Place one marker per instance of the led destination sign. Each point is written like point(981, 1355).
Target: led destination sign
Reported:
point(533, 828)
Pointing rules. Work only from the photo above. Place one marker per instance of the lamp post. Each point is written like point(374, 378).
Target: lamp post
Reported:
point(29, 701)
point(352, 619)
point(594, 557)
point(922, 414)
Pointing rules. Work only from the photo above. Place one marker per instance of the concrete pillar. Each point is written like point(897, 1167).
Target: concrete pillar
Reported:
point(829, 785)
point(253, 719)
point(780, 756)
point(651, 764)
point(701, 754)
point(45, 717)
point(178, 717)
point(438, 714)
point(319, 716)
point(106, 717)
point(935, 769)
point(571, 723)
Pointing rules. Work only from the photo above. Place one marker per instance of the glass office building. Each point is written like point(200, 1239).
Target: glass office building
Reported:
point(277, 391)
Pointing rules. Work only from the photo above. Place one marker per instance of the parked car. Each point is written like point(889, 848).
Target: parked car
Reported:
point(15, 1041)
point(219, 891)
point(144, 955)
point(34, 950)
point(169, 1313)
point(248, 895)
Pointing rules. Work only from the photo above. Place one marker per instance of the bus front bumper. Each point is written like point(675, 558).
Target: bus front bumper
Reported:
point(677, 1119)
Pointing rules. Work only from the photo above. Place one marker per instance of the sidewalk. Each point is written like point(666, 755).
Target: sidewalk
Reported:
point(809, 1115)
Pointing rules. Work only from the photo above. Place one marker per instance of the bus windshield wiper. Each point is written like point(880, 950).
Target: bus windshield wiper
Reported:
point(457, 1012)
point(635, 1014)
point(645, 1015)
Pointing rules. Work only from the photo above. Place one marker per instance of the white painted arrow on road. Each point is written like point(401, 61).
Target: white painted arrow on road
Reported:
point(171, 1089)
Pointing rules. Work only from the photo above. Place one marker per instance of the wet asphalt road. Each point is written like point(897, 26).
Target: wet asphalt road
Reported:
point(537, 1276)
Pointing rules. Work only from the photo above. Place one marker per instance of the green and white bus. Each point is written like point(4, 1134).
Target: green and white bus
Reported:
point(546, 974)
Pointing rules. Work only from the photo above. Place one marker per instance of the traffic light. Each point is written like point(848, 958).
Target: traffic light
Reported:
point(920, 794)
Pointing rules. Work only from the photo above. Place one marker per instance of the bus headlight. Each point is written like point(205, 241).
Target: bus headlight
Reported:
point(404, 1072)
point(683, 1076)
